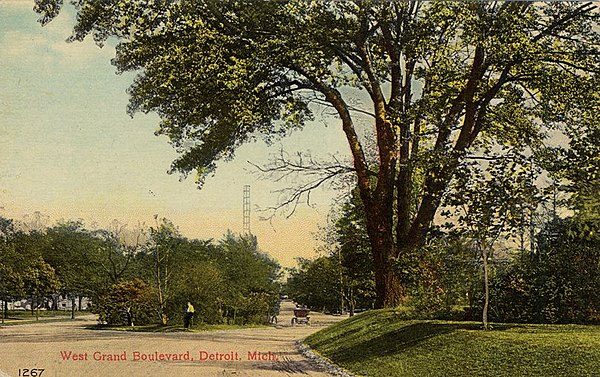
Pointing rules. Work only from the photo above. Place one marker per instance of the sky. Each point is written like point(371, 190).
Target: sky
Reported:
point(69, 150)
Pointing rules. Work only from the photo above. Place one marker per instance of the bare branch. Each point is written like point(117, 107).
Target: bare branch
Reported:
point(304, 174)
point(350, 107)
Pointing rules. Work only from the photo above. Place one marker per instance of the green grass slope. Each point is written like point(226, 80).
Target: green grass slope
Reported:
point(381, 343)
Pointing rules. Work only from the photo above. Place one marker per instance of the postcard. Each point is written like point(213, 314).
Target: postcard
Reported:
point(281, 188)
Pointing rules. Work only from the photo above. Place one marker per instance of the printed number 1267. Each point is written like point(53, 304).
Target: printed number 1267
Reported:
point(31, 372)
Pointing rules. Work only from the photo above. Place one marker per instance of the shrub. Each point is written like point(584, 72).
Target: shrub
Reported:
point(556, 284)
point(133, 295)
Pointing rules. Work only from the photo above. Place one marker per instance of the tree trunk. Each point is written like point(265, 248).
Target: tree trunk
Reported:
point(37, 309)
point(352, 303)
point(73, 307)
point(4, 311)
point(341, 282)
point(390, 291)
point(160, 296)
point(486, 287)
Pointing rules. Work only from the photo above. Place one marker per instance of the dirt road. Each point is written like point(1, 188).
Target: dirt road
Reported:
point(64, 349)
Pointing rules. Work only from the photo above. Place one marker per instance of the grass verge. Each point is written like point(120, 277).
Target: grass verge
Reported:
point(382, 343)
point(19, 317)
point(26, 314)
point(172, 328)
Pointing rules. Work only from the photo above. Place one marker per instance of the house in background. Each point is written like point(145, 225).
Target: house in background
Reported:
point(59, 302)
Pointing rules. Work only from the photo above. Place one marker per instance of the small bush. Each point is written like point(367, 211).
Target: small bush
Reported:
point(134, 296)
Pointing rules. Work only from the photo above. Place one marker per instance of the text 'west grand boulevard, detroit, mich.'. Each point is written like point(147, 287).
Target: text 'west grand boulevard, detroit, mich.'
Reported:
point(201, 355)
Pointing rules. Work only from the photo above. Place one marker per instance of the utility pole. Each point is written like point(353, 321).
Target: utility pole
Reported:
point(246, 226)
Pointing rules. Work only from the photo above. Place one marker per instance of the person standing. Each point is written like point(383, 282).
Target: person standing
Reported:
point(128, 316)
point(189, 314)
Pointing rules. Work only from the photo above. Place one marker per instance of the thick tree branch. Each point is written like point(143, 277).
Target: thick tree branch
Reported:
point(354, 64)
point(438, 177)
point(465, 96)
point(334, 97)
point(394, 56)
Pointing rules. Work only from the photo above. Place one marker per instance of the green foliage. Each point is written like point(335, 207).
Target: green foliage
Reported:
point(251, 288)
point(490, 201)
point(39, 280)
point(160, 259)
point(229, 282)
point(354, 253)
point(576, 168)
point(201, 282)
point(316, 284)
point(382, 343)
point(557, 284)
point(74, 253)
point(134, 297)
point(11, 281)
point(112, 255)
point(74, 259)
point(446, 276)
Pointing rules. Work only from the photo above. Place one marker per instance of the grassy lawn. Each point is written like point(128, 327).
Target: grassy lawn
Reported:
point(26, 314)
point(16, 317)
point(381, 343)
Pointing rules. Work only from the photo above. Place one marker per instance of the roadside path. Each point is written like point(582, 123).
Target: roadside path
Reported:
point(247, 352)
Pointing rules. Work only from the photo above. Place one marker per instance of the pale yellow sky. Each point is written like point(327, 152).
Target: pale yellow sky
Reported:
point(69, 150)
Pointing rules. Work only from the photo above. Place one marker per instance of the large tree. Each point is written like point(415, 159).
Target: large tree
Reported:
point(160, 258)
point(440, 82)
point(75, 255)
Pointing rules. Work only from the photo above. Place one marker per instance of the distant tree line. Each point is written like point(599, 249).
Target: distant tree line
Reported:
point(148, 274)
point(343, 278)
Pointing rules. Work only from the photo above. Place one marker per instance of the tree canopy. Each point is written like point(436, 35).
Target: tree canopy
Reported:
point(153, 279)
point(440, 81)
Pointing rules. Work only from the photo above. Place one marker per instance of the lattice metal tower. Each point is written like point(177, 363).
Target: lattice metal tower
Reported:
point(247, 209)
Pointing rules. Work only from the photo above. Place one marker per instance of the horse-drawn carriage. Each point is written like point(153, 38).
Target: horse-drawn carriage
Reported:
point(301, 315)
